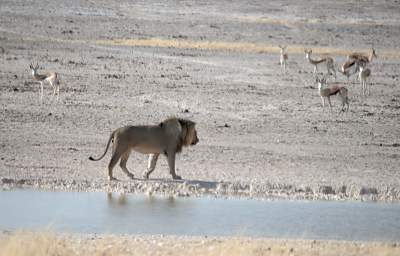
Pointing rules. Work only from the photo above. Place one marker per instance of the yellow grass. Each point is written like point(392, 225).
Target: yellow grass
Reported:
point(48, 243)
point(221, 46)
point(240, 46)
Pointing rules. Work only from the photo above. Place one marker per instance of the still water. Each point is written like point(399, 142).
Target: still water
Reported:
point(99, 212)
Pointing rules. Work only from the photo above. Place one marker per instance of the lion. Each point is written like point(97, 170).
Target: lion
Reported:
point(166, 138)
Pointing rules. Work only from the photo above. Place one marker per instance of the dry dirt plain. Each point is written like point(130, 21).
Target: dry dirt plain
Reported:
point(262, 133)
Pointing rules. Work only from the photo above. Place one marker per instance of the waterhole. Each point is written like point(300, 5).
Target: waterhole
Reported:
point(100, 212)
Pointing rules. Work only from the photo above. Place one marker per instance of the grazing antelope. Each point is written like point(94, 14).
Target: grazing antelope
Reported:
point(328, 60)
point(51, 78)
point(363, 59)
point(364, 75)
point(349, 68)
point(355, 61)
point(284, 57)
point(327, 92)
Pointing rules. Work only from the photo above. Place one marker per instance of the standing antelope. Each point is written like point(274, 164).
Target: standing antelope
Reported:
point(284, 57)
point(328, 60)
point(355, 61)
point(51, 78)
point(363, 59)
point(364, 75)
point(327, 92)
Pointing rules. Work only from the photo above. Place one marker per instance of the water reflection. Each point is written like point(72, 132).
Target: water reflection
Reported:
point(169, 201)
point(120, 213)
point(120, 200)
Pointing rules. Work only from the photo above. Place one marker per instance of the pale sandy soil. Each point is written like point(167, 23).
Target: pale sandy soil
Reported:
point(262, 133)
point(43, 244)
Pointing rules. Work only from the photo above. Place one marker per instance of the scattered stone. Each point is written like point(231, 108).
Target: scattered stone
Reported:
point(21, 182)
point(368, 191)
point(67, 32)
point(326, 190)
point(7, 181)
point(113, 76)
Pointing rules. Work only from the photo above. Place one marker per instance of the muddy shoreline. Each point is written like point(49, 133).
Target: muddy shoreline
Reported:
point(186, 188)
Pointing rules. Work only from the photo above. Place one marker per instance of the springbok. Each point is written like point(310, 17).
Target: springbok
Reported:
point(325, 92)
point(364, 75)
point(327, 60)
point(355, 61)
point(284, 57)
point(51, 78)
point(363, 59)
point(349, 68)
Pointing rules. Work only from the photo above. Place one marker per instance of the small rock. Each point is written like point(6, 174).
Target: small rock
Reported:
point(67, 32)
point(7, 181)
point(368, 191)
point(326, 190)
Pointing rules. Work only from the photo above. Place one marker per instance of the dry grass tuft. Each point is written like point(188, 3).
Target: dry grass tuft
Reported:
point(33, 244)
point(50, 244)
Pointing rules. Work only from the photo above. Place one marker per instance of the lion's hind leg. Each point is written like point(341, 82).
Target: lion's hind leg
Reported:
point(114, 160)
point(122, 164)
point(151, 165)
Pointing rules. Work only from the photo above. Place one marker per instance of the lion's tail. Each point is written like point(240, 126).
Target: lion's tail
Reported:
point(108, 145)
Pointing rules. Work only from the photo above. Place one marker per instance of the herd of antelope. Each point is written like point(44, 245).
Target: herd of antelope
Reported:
point(356, 63)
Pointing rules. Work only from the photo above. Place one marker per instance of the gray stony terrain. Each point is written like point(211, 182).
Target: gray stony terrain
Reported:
point(263, 133)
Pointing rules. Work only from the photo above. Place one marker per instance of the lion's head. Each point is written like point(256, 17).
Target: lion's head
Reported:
point(183, 130)
point(190, 135)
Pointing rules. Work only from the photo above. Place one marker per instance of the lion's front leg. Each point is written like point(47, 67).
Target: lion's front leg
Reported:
point(171, 164)
point(151, 165)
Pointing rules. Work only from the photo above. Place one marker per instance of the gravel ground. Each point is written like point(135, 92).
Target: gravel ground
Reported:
point(263, 132)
